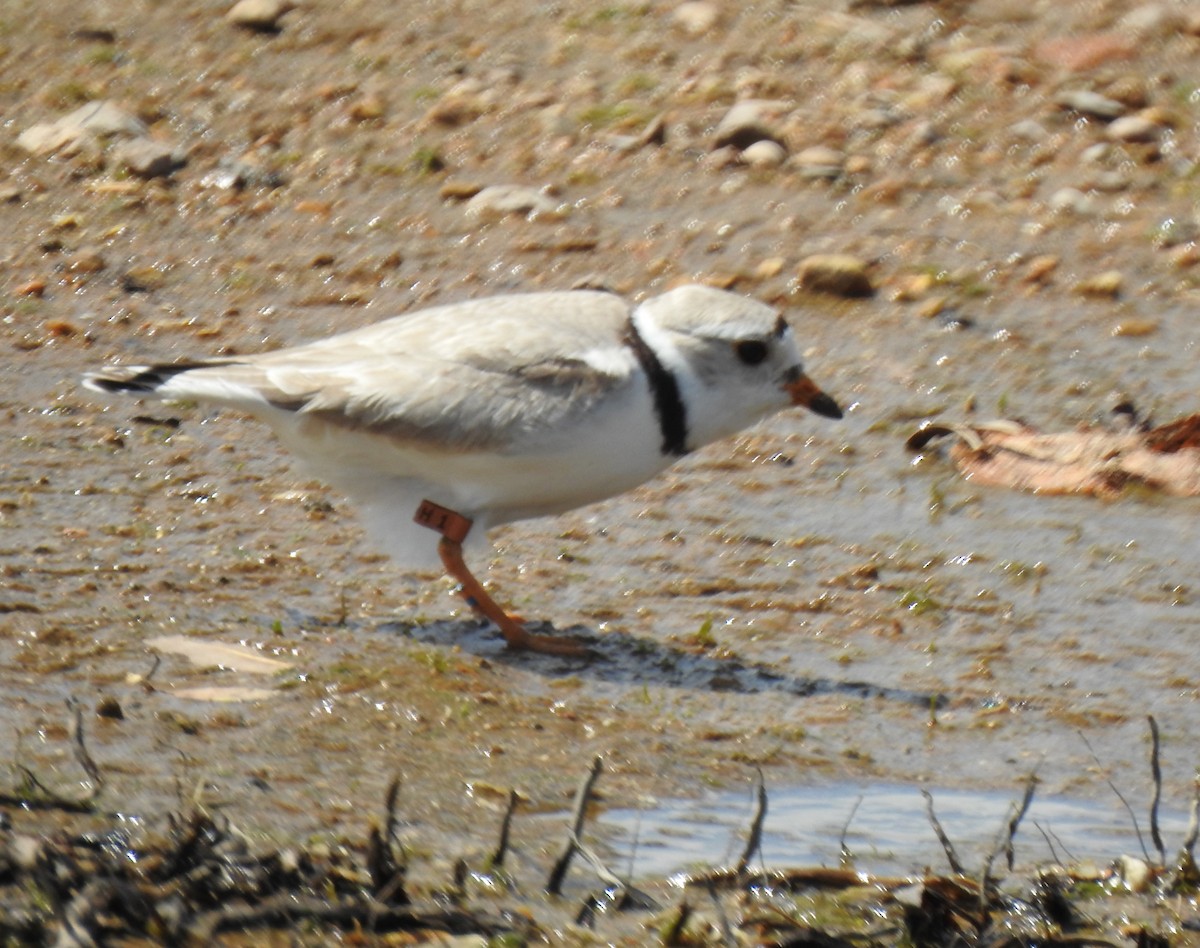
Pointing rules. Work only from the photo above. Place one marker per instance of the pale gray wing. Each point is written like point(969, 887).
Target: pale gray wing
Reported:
point(485, 374)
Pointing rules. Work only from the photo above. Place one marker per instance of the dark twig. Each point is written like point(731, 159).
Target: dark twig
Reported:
point(621, 892)
point(607, 876)
point(81, 751)
point(947, 846)
point(1137, 829)
point(1014, 822)
point(1156, 773)
point(386, 868)
point(496, 861)
point(38, 796)
point(673, 933)
point(582, 797)
point(844, 854)
point(1004, 843)
point(754, 839)
point(32, 782)
point(1050, 839)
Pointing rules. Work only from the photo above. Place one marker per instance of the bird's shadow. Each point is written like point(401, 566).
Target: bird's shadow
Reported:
point(625, 658)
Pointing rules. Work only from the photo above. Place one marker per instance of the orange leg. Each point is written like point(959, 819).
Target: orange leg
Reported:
point(454, 528)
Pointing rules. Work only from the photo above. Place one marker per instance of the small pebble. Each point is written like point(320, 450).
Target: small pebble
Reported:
point(1090, 103)
point(502, 200)
point(1185, 257)
point(260, 15)
point(25, 851)
point(1072, 201)
point(764, 154)
point(104, 119)
point(61, 329)
point(1135, 328)
point(1030, 130)
point(367, 108)
point(81, 129)
point(86, 261)
point(1040, 269)
point(143, 279)
point(1135, 873)
point(912, 287)
point(770, 267)
point(750, 121)
point(695, 17)
point(837, 274)
point(147, 158)
point(459, 190)
point(1106, 285)
point(819, 161)
point(1133, 128)
point(933, 307)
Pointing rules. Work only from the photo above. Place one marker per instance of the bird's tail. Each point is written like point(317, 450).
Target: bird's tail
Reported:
point(140, 380)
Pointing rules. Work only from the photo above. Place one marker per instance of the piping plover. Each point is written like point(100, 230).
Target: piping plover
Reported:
point(462, 417)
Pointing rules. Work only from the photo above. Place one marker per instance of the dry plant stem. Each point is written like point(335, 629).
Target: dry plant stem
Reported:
point(582, 797)
point(1049, 839)
point(1137, 829)
point(844, 854)
point(81, 752)
point(1156, 773)
point(621, 893)
point(1004, 843)
point(947, 846)
point(1015, 822)
point(754, 840)
point(387, 872)
point(497, 858)
point(674, 932)
point(51, 800)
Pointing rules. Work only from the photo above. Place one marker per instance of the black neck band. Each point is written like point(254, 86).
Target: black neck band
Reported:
point(672, 416)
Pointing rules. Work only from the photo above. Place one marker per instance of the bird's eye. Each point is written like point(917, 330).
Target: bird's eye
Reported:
point(750, 351)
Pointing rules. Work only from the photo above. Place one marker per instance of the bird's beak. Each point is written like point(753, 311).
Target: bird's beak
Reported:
point(803, 391)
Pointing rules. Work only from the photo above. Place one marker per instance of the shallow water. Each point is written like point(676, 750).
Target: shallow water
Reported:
point(777, 601)
point(885, 828)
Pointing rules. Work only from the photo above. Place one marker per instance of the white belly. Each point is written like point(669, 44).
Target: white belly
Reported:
point(616, 449)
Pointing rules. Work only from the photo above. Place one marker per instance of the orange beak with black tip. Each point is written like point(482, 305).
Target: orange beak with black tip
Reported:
point(804, 391)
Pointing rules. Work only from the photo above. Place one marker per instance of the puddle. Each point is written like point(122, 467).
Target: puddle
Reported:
point(888, 834)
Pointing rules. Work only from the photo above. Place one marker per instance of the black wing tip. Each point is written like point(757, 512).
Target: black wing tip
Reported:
point(138, 379)
point(98, 382)
point(132, 380)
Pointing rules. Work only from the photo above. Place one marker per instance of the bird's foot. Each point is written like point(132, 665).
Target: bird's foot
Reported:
point(517, 637)
point(454, 528)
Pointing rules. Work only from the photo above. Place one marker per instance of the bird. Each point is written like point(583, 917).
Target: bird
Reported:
point(442, 423)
